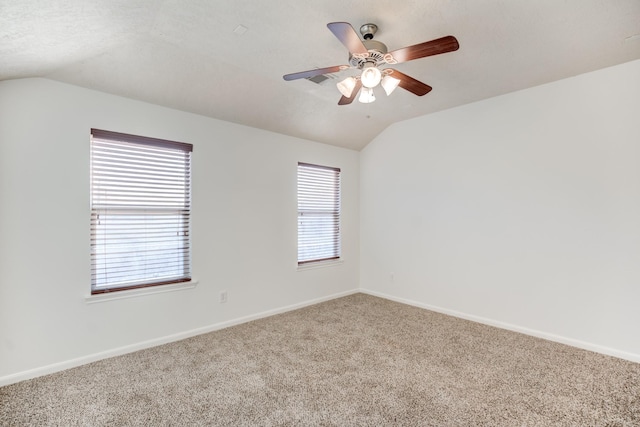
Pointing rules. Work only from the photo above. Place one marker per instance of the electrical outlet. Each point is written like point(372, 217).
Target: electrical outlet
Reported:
point(392, 277)
point(223, 297)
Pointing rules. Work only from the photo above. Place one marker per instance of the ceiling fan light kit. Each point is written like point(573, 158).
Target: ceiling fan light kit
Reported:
point(366, 95)
point(371, 76)
point(347, 86)
point(389, 84)
point(369, 55)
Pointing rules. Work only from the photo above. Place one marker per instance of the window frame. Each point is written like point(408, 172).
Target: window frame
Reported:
point(336, 212)
point(149, 207)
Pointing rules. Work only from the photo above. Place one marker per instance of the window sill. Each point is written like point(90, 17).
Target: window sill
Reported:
point(133, 293)
point(320, 264)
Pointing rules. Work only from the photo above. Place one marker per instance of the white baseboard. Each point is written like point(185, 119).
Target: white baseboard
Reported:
point(61, 366)
point(515, 328)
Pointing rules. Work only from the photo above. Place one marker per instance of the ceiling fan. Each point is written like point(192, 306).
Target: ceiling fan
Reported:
point(369, 56)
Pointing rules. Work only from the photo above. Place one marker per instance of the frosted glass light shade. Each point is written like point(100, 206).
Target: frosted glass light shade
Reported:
point(346, 86)
point(370, 77)
point(366, 95)
point(389, 84)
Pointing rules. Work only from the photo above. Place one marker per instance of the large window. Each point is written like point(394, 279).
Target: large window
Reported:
point(140, 210)
point(318, 213)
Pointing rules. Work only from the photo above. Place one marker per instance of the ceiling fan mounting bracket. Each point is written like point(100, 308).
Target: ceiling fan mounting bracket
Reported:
point(368, 31)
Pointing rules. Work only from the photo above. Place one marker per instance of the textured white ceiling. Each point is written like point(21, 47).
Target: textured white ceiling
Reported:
point(186, 54)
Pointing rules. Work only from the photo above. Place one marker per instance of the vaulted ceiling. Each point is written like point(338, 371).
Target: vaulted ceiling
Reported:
point(226, 58)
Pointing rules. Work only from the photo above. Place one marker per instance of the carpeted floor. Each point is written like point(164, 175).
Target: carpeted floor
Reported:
point(353, 361)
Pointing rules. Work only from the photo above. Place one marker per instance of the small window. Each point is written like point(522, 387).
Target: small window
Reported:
point(318, 213)
point(140, 210)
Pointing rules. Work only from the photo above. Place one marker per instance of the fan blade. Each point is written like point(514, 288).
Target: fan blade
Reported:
point(345, 101)
point(348, 37)
point(316, 72)
point(410, 84)
point(422, 50)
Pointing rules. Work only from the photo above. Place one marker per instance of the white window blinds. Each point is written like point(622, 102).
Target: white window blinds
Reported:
point(140, 210)
point(318, 213)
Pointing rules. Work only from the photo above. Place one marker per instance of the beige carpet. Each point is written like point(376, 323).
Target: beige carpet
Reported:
point(354, 361)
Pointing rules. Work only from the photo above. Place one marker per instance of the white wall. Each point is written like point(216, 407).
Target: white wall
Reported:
point(243, 240)
point(521, 211)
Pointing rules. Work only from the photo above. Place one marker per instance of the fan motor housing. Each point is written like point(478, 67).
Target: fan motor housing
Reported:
point(376, 49)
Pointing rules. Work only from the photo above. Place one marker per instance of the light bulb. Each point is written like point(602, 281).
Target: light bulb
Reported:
point(389, 84)
point(366, 95)
point(370, 77)
point(346, 86)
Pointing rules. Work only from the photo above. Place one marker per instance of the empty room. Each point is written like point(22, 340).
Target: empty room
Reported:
point(336, 213)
